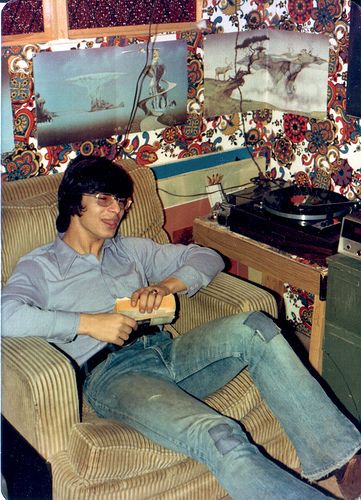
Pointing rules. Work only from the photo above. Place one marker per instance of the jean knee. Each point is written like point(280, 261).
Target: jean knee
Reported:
point(224, 438)
point(262, 325)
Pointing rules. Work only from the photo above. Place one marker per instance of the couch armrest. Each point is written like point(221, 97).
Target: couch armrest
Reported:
point(39, 393)
point(224, 296)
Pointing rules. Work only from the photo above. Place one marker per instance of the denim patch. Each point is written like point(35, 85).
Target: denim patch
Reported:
point(222, 435)
point(262, 325)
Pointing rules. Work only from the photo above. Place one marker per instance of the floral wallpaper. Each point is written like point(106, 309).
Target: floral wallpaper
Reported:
point(195, 137)
point(321, 153)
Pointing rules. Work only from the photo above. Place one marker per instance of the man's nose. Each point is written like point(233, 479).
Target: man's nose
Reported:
point(114, 206)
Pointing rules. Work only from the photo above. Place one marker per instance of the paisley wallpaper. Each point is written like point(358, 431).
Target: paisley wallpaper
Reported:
point(316, 152)
point(325, 153)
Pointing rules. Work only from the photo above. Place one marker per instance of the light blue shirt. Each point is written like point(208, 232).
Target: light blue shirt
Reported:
point(53, 284)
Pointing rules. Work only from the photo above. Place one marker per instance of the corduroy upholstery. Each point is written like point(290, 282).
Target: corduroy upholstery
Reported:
point(98, 458)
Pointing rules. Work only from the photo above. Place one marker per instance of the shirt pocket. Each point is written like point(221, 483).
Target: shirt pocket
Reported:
point(124, 282)
point(85, 292)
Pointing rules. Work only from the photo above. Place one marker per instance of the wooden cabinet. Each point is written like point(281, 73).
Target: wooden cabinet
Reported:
point(276, 268)
point(342, 341)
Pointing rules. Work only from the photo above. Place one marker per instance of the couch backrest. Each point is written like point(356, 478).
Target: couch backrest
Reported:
point(29, 210)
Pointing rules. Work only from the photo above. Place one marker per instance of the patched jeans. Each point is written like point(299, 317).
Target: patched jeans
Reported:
point(156, 385)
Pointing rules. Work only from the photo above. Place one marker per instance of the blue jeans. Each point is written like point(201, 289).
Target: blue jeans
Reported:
point(157, 384)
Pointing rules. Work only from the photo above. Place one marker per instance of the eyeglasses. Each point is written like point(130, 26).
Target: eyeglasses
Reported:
point(106, 199)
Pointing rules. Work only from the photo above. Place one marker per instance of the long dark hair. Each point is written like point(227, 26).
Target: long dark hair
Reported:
point(89, 174)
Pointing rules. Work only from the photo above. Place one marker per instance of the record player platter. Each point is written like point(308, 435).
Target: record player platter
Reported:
point(301, 203)
point(302, 220)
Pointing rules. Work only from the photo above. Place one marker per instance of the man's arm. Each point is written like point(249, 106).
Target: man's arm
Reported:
point(24, 313)
point(171, 268)
point(192, 266)
point(22, 319)
point(113, 328)
point(150, 297)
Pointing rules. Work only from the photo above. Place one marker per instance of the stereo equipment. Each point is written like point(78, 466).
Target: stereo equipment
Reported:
point(350, 238)
point(300, 220)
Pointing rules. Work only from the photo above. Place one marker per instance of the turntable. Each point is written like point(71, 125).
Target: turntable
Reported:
point(300, 220)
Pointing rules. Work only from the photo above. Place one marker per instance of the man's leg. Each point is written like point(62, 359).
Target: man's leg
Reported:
point(202, 360)
point(158, 408)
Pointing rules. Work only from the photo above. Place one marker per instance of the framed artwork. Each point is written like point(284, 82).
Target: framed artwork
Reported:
point(95, 93)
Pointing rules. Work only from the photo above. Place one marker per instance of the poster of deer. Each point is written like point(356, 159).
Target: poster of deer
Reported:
point(266, 68)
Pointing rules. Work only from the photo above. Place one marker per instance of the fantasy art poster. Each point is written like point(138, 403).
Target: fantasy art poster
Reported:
point(259, 69)
point(94, 93)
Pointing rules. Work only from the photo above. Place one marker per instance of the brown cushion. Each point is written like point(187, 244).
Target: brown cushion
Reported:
point(28, 215)
point(146, 216)
point(105, 449)
point(100, 448)
point(26, 225)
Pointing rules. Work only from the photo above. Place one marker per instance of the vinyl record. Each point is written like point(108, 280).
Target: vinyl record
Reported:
point(305, 204)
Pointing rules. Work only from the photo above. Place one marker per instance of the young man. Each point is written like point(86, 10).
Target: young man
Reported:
point(65, 291)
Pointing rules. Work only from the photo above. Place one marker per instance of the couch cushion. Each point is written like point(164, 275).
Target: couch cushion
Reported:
point(28, 214)
point(146, 216)
point(26, 224)
point(103, 449)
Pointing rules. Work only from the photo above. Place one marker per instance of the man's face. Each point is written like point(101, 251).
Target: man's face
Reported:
point(97, 222)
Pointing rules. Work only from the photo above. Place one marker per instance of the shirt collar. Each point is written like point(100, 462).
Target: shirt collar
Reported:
point(66, 255)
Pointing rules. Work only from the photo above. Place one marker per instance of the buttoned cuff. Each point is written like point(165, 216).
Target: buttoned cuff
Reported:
point(192, 278)
point(65, 327)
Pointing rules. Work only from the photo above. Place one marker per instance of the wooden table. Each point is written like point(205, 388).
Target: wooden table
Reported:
point(277, 268)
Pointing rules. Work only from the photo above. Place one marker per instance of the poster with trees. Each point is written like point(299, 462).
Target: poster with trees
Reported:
point(266, 68)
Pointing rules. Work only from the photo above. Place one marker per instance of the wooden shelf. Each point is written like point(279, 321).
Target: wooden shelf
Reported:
point(277, 268)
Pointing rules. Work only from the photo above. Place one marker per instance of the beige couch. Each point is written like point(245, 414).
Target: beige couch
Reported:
point(96, 458)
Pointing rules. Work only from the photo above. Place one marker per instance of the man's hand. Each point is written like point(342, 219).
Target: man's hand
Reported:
point(113, 328)
point(149, 298)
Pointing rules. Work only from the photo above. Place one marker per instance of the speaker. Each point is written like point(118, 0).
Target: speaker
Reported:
point(342, 341)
